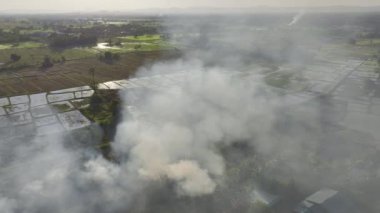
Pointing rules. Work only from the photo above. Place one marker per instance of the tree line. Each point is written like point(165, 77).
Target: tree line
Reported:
point(66, 41)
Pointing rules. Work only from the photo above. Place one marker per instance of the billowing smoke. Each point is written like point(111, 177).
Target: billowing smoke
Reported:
point(7, 205)
point(178, 139)
point(209, 137)
point(183, 127)
point(296, 18)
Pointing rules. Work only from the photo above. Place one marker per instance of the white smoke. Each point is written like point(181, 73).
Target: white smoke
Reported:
point(191, 179)
point(296, 18)
point(179, 136)
point(7, 205)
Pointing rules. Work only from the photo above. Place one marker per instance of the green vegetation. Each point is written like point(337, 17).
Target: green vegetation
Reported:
point(109, 57)
point(67, 41)
point(15, 57)
point(104, 110)
point(367, 42)
point(71, 39)
point(279, 79)
point(103, 107)
point(62, 107)
point(35, 56)
point(290, 80)
point(81, 104)
point(47, 62)
point(22, 45)
point(146, 38)
point(138, 43)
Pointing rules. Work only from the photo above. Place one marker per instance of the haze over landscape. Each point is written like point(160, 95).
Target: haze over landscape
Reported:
point(163, 106)
point(125, 5)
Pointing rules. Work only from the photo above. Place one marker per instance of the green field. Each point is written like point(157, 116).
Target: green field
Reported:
point(366, 42)
point(145, 38)
point(290, 80)
point(31, 56)
point(279, 79)
point(33, 53)
point(139, 43)
point(136, 46)
point(21, 45)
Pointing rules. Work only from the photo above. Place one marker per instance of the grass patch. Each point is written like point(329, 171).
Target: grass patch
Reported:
point(29, 44)
point(279, 79)
point(22, 45)
point(127, 47)
point(103, 107)
point(292, 81)
point(344, 50)
point(61, 107)
point(33, 53)
point(104, 110)
point(145, 38)
point(32, 56)
point(366, 42)
point(5, 46)
point(40, 30)
point(81, 104)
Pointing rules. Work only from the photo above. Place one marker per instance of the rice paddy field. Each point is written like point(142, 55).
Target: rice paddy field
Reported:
point(74, 73)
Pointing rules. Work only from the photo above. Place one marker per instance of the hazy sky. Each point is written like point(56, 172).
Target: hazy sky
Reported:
point(142, 4)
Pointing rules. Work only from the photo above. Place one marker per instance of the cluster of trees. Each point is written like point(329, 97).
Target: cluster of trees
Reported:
point(109, 57)
point(114, 43)
point(65, 41)
point(131, 29)
point(13, 36)
point(14, 57)
point(47, 62)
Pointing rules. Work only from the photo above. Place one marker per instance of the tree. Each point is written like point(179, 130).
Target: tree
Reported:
point(14, 57)
point(66, 41)
point(110, 42)
point(118, 43)
point(108, 56)
point(47, 62)
point(116, 56)
point(93, 83)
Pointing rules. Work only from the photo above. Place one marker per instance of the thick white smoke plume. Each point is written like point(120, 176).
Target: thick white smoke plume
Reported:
point(177, 139)
point(183, 127)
